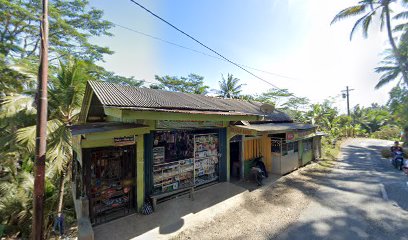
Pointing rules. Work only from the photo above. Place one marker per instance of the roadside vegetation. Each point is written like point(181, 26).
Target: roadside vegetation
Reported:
point(73, 61)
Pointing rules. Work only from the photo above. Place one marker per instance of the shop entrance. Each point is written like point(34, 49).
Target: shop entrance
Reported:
point(111, 181)
point(235, 158)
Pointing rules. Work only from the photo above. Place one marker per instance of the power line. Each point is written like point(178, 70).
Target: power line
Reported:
point(202, 44)
point(196, 51)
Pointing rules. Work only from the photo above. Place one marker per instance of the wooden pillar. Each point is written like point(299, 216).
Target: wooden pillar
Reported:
point(242, 156)
point(266, 151)
point(139, 171)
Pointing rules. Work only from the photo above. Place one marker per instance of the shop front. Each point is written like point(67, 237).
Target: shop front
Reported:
point(181, 159)
point(110, 179)
point(284, 147)
point(134, 144)
point(107, 169)
point(285, 155)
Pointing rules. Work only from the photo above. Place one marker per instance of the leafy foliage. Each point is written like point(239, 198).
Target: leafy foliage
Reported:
point(192, 84)
point(388, 132)
point(72, 22)
point(66, 88)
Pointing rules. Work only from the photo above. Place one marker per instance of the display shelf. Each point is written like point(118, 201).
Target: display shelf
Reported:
point(203, 165)
point(171, 176)
point(206, 159)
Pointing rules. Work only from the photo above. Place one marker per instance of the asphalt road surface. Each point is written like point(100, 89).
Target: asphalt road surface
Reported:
point(364, 197)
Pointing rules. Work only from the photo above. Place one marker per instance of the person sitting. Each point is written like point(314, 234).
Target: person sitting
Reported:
point(261, 165)
point(396, 147)
point(259, 171)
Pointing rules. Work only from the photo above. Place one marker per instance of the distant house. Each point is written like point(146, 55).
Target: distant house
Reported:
point(134, 143)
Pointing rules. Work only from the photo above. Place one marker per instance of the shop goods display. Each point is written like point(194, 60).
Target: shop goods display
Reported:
point(172, 176)
point(206, 158)
point(200, 168)
point(111, 183)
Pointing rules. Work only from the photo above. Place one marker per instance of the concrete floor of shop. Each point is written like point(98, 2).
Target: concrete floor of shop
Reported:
point(176, 214)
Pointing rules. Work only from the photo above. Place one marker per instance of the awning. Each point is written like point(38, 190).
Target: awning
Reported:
point(102, 127)
point(321, 134)
point(276, 127)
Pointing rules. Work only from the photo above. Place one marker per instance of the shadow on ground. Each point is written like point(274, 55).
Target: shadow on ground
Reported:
point(360, 173)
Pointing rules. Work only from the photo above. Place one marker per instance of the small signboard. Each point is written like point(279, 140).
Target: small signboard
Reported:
point(167, 124)
point(123, 141)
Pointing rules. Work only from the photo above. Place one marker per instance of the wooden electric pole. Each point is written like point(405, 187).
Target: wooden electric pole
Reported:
point(346, 94)
point(41, 131)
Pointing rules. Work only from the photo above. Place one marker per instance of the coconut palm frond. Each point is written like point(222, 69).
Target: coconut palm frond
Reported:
point(60, 149)
point(402, 15)
point(360, 22)
point(386, 69)
point(11, 105)
point(230, 87)
point(349, 12)
point(401, 27)
point(26, 137)
point(387, 77)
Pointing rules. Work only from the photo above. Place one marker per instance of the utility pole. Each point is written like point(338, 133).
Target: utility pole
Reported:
point(346, 94)
point(41, 131)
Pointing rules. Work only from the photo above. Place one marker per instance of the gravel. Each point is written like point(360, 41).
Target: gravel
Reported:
point(265, 212)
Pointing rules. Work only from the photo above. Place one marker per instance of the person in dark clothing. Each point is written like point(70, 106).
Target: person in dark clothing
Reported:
point(396, 147)
point(59, 223)
point(261, 165)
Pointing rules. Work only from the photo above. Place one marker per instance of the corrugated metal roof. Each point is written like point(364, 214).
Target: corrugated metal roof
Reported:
point(114, 95)
point(276, 127)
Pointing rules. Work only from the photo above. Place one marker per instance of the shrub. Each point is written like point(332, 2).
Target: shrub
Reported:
point(392, 133)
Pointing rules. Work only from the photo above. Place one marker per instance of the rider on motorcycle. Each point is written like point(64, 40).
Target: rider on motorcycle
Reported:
point(397, 155)
point(396, 148)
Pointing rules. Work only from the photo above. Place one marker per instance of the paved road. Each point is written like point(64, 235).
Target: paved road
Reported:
point(350, 204)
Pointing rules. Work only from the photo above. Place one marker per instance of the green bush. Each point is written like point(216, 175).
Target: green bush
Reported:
point(392, 133)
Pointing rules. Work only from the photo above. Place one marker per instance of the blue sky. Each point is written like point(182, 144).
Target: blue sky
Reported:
point(287, 37)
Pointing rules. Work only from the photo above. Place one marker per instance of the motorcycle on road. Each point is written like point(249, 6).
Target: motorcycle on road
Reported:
point(398, 160)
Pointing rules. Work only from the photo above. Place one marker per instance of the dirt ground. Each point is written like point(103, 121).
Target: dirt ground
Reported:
point(268, 210)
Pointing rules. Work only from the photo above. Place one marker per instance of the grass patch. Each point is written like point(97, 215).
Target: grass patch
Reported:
point(329, 155)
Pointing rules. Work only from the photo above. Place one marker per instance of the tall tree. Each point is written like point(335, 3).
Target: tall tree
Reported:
point(389, 68)
point(398, 104)
point(66, 89)
point(230, 87)
point(72, 22)
point(277, 97)
point(192, 84)
point(368, 8)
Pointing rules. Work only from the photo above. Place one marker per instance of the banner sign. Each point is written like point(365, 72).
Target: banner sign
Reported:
point(294, 136)
point(243, 131)
point(167, 124)
point(123, 141)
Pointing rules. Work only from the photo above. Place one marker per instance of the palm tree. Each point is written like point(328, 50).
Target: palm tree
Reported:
point(368, 8)
point(230, 87)
point(66, 89)
point(66, 92)
point(390, 65)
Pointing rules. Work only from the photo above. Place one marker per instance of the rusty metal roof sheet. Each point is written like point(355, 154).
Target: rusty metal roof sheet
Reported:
point(115, 95)
point(277, 127)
